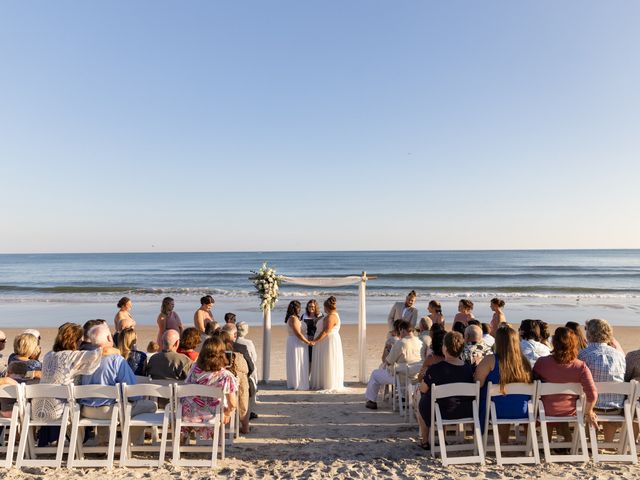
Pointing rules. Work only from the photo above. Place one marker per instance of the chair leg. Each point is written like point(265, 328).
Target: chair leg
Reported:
point(22, 446)
point(73, 441)
point(124, 448)
point(176, 441)
point(214, 460)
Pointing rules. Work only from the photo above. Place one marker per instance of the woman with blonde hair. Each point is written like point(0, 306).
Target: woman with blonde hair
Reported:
point(136, 359)
point(23, 368)
point(506, 365)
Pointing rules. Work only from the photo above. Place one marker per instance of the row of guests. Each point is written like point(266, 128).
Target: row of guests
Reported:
point(87, 356)
point(408, 312)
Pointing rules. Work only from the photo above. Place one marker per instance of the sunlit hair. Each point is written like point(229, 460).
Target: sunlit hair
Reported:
point(25, 345)
point(190, 338)
point(514, 367)
point(467, 304)
point(599, 331)
point(68, 337)
point(123, 301)
point(437, 306)
point(316, 308)
point(498, 301)
point(153, 347)
point(212, 356)
point(293, 310)
point(165, 305)
point(565, 346)
point(331, 303)
point(454, 341)
point(576, 328)
point(127, 339)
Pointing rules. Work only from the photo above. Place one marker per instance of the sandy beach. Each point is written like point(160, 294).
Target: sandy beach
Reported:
point(310, 435)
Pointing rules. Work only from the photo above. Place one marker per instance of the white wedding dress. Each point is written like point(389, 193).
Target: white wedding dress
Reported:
point(327, 367)
point(297, 362)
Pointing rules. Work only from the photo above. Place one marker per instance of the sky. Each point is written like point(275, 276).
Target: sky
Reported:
point(319, 125)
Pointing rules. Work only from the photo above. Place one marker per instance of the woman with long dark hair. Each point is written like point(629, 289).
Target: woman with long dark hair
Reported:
point(297, 351)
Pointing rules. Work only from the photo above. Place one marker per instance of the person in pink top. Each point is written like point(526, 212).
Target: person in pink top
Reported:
point(563, 366)
point(168, 319)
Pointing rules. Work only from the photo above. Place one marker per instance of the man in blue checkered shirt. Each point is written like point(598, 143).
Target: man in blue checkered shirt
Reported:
point(607, 365)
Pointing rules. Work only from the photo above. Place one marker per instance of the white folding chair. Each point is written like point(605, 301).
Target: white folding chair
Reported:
point(77, 451)
point(439, 423)
point(38, 391)
point(579, 436)
point(216, 422)
point(626, 442)
point(400, 374)
point(161, 419)
point(492, 420)
point(10, 426)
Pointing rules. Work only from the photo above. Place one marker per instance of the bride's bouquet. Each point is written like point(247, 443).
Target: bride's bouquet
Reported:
point(267, 284)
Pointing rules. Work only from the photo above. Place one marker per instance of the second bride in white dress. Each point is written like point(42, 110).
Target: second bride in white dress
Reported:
point(297, 350)
point(327, 367)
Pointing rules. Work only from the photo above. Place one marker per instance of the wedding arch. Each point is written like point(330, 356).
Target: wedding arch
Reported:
point(360, 280)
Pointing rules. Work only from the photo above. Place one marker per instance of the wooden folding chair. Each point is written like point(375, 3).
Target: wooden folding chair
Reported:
point(216, 422)
point(161, 419)
point(492, 420)
point(456, 390)
point(10, 426)
point(38, 391)
point(579, 436)
point(77, 451)
point(626, 442)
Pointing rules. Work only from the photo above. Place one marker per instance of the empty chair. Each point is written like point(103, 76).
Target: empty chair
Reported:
point(11, 423)
point(210, 427)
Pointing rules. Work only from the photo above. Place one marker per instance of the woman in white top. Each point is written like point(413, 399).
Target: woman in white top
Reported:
point(297, 353)
point(327, 368)
point(530, 344)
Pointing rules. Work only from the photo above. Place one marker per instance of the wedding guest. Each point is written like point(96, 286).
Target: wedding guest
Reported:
point(459, 327)
point(152, 349)
point(3, 359)
point(243, 331)
point(465, 312)
point(506, 365)
point(22, 367)
point(210, 328)
point(545, 333)
point(405, 353)
point(123, 318)
point(189, 341)
point(632, 370)
point(310, 318)
point(563, 366)
point(498, 318)
point(451, 370)
point(424, 331)
point(36, 353)
point(486, 336)
point(530, 345)
point(606, 365)
point(297, 356)
point(435, 355)
point(392, 338)
point(435, 313)
point(168, 319)
point(474, 347)
point(230, 318)
point(404, 311)
point(136, 359)
point(203, 315)
point(169, 364)
point(576, 328)
point(86, 328)
point(209, 369)
point(239, 368)
point(232, 330)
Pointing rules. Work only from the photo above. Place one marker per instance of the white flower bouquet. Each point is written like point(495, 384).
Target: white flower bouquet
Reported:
point(267, 283)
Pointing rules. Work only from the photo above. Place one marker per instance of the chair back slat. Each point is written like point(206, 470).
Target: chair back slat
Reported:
point(559, 389)
point(96, 391)
point(207, 391)
point(513, 389)
point(620, 388)
point(455, 390)
point(46, 390)
point(146, 390)
point(9, 391)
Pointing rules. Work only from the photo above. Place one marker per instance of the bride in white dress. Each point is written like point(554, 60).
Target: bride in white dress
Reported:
point(327, 367)
point(297, 350)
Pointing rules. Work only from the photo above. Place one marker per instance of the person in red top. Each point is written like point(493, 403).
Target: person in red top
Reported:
point(189, 341)
point(563, 366)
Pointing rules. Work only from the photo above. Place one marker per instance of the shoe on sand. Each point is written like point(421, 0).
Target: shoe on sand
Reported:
point(371, 405)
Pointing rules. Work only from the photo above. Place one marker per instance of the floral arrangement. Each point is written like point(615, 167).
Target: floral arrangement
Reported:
point(267, 284)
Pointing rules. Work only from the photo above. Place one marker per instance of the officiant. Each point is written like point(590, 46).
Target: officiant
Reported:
point(404, 311)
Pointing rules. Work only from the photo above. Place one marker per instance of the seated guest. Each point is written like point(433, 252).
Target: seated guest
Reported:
point(3, 359)
point(451, 370)
point(136, 359)
point(465, 312)
point(405, 351)
point(576, 328)
point(211, 327)
point(209, 369)
point(113, 369)
point(152, 349)
point(474, 347)
point(23, 368)
point(169, 364)
point(506, 365)
point(486, 336)
point(239, 368)
point(563, 366)
point(545, 333)
point(88, 325)
point(243, 331)
point(530, 344)
point(435, 355)
point(607, 365)
point(424, 330)
point(232, 330)
point(392, 338)
point(189, 341)
point(459, 327)
point(36, 353)
point(230, 318)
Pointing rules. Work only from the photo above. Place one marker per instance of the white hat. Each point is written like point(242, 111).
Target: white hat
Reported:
point(34, 332)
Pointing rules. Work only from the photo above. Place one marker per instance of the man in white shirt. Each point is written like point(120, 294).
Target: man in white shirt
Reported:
point(405, 352)
point(404, 311)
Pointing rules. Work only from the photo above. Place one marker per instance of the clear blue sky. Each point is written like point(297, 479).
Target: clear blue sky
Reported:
point(279, 125)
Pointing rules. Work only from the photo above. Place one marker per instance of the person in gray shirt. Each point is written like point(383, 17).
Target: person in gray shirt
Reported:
point(169, 364)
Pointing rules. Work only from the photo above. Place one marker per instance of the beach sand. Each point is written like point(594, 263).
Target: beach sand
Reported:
point(309, 435)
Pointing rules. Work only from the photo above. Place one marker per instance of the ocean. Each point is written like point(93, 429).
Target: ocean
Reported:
point(532, 282)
